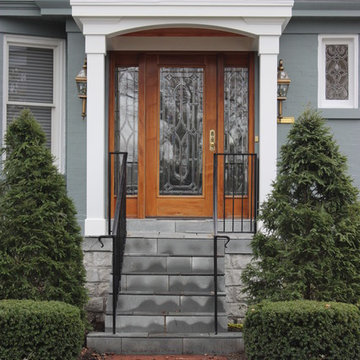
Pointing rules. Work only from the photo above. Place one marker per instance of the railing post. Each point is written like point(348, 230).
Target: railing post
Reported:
point(215, 286)
point(215, 192)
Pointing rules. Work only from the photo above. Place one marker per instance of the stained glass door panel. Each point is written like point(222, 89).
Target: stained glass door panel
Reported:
point(181, 131)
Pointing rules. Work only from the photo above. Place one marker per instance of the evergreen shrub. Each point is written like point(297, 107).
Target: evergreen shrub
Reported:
point(309, 243)
point(39, 330)
point(302, 330)
point(40, 242)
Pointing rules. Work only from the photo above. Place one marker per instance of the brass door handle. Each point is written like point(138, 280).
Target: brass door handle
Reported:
point(212, 140)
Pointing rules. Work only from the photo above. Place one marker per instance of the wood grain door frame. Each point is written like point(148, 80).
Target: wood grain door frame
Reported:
point(174, 205)
point(137, 205)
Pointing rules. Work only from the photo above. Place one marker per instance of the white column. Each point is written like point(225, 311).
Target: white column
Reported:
point(268, 51)
point(95, 223)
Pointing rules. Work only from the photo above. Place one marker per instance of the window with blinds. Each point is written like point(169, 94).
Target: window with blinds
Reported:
point(30, 84)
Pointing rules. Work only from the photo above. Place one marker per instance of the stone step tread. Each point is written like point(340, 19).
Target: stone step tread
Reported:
point(230, 335)
point(168, 313)
point(166, 323)
point(166, 293)
point(165, 255)
point(169, 273)
point(154, 343)
point(146, 255)
point(185, 235)
point(168, 235)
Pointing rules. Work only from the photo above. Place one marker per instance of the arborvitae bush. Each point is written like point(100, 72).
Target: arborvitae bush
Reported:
point(309, 245)
point(40, 241)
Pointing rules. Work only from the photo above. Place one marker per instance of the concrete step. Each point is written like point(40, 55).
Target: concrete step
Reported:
point(167, 323)
point(162, 263)
point(170, 282)
point(177, 343)
point(171, 225)
point(189, 225)
point(136, 303)
point(168, 244)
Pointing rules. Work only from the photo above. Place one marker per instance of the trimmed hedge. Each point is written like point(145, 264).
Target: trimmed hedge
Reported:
point(39, 330)
point(302, 330)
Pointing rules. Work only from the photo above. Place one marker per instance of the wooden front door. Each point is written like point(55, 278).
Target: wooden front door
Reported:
point(171, 112)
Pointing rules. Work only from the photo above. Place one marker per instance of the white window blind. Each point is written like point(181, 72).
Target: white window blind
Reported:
point(30, 84)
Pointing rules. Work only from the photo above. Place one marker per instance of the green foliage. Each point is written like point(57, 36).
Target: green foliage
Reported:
point(302, 330)
point(40, 242)
point(38, 330)
point(309, 247)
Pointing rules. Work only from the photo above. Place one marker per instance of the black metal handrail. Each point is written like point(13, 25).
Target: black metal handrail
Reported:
point(238, 188)
point(117, 186)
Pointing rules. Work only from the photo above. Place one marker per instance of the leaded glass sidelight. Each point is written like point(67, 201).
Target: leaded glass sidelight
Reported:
point(337, 72)
point(126, 122)
point(181, 131)
point(236, 117)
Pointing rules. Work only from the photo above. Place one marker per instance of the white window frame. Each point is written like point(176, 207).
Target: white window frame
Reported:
point(352, 41)
point(58, 105)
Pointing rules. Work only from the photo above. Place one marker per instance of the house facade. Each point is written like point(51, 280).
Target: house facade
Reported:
point(172, 83)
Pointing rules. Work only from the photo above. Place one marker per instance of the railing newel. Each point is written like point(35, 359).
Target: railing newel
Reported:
point(230, 175)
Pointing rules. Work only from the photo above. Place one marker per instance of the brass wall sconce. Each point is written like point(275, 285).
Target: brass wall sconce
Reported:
point(81, 83)
point(283, 83)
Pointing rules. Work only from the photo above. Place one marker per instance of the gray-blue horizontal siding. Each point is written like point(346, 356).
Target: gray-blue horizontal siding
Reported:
point(34, 26)
point(75, 127)
point(299, 50)
point(1, 86)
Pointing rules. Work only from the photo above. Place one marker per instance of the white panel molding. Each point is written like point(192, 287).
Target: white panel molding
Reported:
point(267, 115)
point(95, 223)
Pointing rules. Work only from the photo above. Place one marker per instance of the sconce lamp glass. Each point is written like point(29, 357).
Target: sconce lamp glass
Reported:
point(283, 83)
point(81, 83)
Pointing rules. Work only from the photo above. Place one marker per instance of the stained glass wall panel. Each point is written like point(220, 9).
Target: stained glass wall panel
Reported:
point(236, 139)
point(337, 72)
point(126, 122)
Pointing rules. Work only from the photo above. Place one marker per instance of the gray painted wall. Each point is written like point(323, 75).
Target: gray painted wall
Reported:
point(1, 84)
point(33, 26)
point(75, 125)
point(299, 49)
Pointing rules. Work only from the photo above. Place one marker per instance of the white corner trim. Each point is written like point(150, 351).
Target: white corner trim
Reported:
point(95, 227)
point(269, 44)
point(95, 44)
point(58, 105)
point(353, 76)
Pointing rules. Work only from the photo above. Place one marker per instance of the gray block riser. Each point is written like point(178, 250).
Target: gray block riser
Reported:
point(154, 344)
point(166, 323)
point(166, 282)
point(172, 246)
point(133, 303)
point(189, 264)
point(187, 226)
